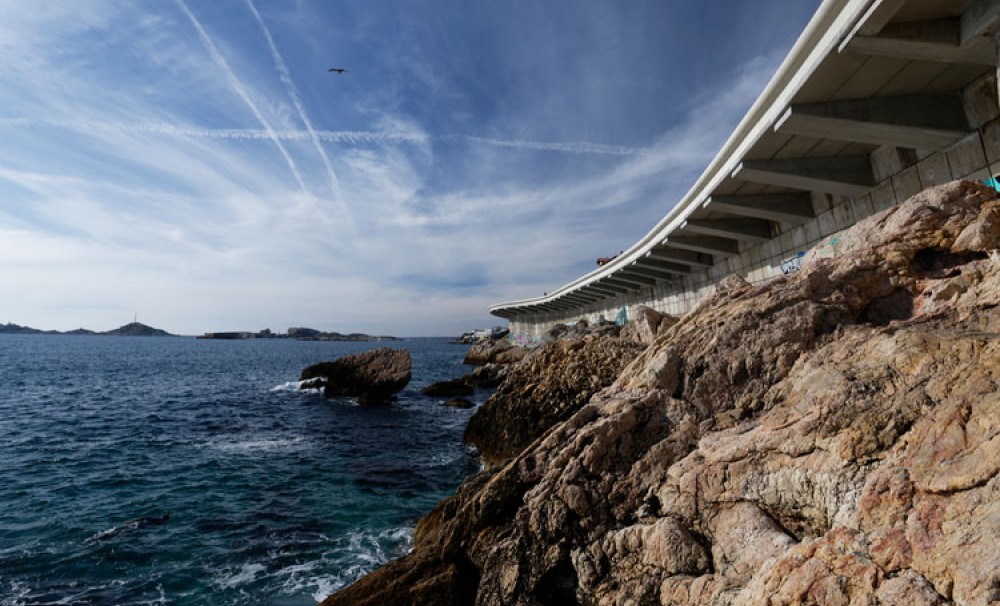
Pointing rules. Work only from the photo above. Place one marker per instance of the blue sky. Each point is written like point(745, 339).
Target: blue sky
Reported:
point(195, 163)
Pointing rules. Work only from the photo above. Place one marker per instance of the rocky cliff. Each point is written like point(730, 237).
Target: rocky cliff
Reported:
point(829, 437)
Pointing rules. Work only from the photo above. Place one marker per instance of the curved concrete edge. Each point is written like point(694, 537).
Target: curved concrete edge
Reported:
point(833, 21)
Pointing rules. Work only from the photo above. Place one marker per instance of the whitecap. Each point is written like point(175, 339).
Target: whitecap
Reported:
point(295, 387)
point(247, 573)
point(259, 445)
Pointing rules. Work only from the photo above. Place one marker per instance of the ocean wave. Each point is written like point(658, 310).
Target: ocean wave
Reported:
point(258, 445)
point(294, 387)
point(233, 578)
point(347, 559)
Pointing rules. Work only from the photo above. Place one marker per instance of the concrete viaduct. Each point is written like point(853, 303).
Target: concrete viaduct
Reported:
point(877, 100)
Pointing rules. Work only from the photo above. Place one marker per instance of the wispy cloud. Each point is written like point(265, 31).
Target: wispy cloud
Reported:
point(240, 90)
point(136, 175)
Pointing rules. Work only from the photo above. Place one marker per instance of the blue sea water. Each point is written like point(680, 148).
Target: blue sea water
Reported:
point(276, 496)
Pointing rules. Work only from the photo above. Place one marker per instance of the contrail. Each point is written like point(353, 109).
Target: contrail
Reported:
point(241, 91)
point(575, 147)
point(286, 78)
point(350, 137)
point(357, 137)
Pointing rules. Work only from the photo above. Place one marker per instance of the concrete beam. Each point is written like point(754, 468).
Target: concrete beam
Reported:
point(604, 290)
point(790, 208)
point(676, 269)
point(877, 16)
point(712, 245)
point(747, 230)
point(980, 20)
point(681, 256)
point(844, 175)
point(598, 295)
point(633, 276)
point(618, 290)
point(939, 40)
point(625, 283)
point(660, 276)
point(931, 122)
point(578, 297)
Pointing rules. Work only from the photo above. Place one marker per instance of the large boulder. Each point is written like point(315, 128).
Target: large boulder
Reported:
point(373, 377)
point(647, 324)
point(547, 387)
point(493, 351)
point(829, 437)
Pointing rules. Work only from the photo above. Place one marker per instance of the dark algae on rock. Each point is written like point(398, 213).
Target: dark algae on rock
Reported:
point(828, 437)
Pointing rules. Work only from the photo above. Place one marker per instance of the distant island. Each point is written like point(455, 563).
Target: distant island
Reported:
point(132, 329)
point(299, 334)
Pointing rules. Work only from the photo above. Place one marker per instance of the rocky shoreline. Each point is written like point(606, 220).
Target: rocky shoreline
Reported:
point(831, 436)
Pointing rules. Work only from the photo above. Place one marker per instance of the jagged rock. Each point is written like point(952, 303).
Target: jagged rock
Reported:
point(373, 376)
point(548, 386)
point(648, 323)
point(447, 389)
point(829, 437)
point(486, 376)
point(493, 351)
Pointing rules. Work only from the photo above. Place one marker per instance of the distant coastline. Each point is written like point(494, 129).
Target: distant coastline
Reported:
point(132, 329)
point(299, 334)
point(137, 329)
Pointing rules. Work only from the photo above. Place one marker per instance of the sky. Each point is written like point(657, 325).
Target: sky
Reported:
point(194, 164)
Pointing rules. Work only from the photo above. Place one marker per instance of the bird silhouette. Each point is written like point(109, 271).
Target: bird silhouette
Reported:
point(338, 70)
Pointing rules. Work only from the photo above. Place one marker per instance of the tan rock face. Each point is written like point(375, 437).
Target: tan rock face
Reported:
point(493, 351)
point(827, 438)
point(552, 383)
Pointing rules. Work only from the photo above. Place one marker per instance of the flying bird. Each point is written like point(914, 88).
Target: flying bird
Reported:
point(338, 70)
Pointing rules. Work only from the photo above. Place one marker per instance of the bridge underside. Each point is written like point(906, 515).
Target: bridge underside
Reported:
point(879, 100)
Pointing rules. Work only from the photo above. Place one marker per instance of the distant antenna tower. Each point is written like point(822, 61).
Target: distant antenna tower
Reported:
point(135, 320)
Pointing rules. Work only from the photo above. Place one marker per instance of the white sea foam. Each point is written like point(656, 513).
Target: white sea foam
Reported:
point(17, 593)
point(295, 387)
point(258, 445)
point(230, 579)
point(351, 556)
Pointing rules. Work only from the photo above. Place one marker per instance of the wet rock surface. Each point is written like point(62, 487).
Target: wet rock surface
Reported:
point(830, 437)
point(373, 377)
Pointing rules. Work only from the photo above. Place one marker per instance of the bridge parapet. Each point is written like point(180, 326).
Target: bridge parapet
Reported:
point(877, 100)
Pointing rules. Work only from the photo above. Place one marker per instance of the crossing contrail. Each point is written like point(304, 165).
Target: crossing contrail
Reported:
point(293, 93)
point(241, 90)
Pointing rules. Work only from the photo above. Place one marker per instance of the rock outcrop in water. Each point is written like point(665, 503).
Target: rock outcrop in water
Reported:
point(830, 437)
point(373, 377)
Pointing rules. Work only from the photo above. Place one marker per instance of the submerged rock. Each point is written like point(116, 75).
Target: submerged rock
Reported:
point(373, 377)
point(829, 437)
point(459, 403)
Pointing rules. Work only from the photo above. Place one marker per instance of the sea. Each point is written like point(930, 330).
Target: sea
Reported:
point(274, 495)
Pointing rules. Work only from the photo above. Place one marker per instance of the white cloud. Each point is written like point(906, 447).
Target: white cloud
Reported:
point(207, 194)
